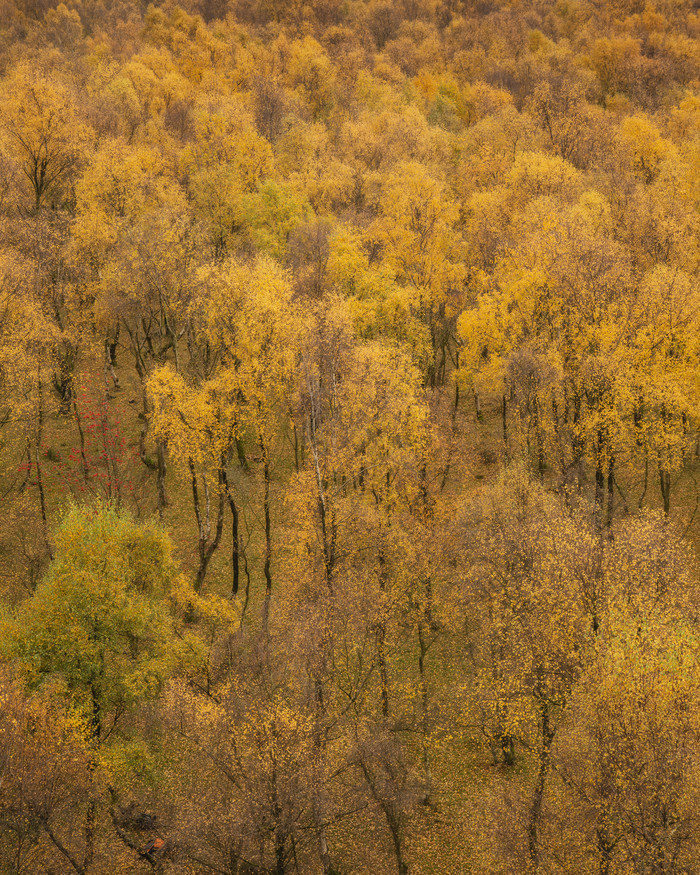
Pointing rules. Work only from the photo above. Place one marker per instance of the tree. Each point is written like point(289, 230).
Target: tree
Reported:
point(249, 325)
point(103, 621)
point(245, 800)
point(528, 569)
point(417, 229)
point(137, 247)
point(627, 754)
point(44, 133)
point(103, 617)
point(569, 377)
point(46, 778)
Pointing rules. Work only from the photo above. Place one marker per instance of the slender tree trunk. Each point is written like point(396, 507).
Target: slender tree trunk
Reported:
point(453, 431)
point(539, 440)
point(90, 818)
point(280, 834)
point(319, 742)
point(664, 471)
point(235, 547)
point(393, 819)
point(546, 739)
point(206, 544)
point(605, 851)
point(37, 461)
point(328, 524)
point(109, 371)
point(611, 493)
point(599, 481)
point(160, 477)
point(61, 847)
point(425, 721)
point(395, 828)
point(296, 447)
point(665, 484)
point(646, 476)
point(577, 444)
point(160, 465)
point(380, 637)
point(280, 852)
point(268, 538)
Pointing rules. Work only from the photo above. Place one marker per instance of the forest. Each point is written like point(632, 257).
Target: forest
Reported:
point(349, 437)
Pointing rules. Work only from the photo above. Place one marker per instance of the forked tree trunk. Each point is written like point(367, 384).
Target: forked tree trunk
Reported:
point(206, 544)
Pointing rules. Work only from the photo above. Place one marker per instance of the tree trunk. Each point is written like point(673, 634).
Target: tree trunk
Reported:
point(160, 477)
point(235, 548)
point(206, 544)
point(268, 538)
point(665, 471)
point(319, 759)
point(611, 493)
point(37, 462)
point(393, 819)
point(599, 482)
point(539, 441)
point(665, 484)
point(380, 637)
point(425, 723)
point(546, 738)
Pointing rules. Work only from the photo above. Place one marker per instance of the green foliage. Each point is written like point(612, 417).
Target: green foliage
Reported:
point(103, 617)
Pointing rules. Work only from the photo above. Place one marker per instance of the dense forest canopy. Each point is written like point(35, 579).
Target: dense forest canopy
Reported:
point(349, 437)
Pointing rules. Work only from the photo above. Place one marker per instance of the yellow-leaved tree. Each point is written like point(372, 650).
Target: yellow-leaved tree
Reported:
point(242, 388)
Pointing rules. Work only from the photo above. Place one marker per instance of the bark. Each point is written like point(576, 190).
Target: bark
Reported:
point(39, 477)
point(380, 637)
point(664, 472)
point(646, 477)
point(539, 440)
point(90, 818)
point(235, 548)
point(599, 482)
point(206, 544)
point(268, 538)
point(611, 494)
point(546, 739)
point(81, 870)
point(577, 444)
point(109, 371)
point(425, 722)
point(144, 855)
point(328, 525)
point(665, 484)
point(160, 464)
point(280, 834)
point(319, 755)
point(393, 818)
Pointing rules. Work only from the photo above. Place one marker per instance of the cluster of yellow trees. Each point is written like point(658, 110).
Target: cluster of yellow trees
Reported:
point(349, 359)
